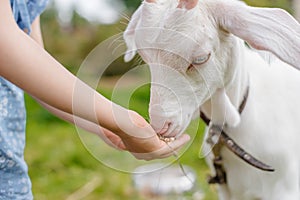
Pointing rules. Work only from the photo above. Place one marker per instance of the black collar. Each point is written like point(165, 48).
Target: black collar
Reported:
point(225, 140)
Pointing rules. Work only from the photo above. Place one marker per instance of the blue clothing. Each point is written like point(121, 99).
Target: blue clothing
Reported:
point(25, 11)
point(14, 180)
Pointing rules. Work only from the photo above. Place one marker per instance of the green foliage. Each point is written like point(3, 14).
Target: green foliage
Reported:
point(285, 4)
point(70, 45)
point(132, 4)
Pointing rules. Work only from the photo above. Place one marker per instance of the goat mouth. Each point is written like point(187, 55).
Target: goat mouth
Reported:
point(163, 131)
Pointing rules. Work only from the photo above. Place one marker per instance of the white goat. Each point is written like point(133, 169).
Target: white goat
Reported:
point(198, 59)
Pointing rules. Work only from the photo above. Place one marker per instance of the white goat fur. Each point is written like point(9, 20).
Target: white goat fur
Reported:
point(169, 38)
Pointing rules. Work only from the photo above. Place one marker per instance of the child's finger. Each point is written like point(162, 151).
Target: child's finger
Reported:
point(167, 150)
point(172, 147)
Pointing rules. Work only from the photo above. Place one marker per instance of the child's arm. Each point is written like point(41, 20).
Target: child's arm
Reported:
point(26, 64)
point(109, 137)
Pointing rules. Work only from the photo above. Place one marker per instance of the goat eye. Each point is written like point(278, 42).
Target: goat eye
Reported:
point(201, 60)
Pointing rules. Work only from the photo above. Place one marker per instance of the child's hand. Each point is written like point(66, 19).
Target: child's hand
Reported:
point(141, 140)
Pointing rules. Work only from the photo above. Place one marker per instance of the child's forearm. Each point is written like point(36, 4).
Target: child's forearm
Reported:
point(81, 123)
point(109, 137)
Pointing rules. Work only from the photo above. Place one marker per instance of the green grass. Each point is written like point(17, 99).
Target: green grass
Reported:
point(60, 165)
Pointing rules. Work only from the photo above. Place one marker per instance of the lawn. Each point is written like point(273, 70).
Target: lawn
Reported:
point(61, 166)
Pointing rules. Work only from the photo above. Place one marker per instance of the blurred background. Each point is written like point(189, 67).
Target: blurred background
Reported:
point(59, 165)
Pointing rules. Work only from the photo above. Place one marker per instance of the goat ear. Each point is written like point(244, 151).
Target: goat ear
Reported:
point(270, 29)
point(223, 110)
point(187, 4)
point(129, 36)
